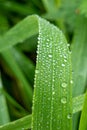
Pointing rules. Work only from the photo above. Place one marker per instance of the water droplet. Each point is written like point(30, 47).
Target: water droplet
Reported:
point(64, 85)
point(63, 100)
point(39, 124)
point(50, 55)
point(68, 44)
point(38, 38)
point(69, 116)
point(71, 81)
point(48, 40)
point(53, 93)
point(65, 60)
point(65, 56)
point(37, 71)
point(63, 65)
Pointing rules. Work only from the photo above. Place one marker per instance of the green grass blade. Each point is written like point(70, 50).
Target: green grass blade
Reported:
point(4, 115)
point(13, 102)
point(52, 107)
point(79, 66)
point(20, 124)
point(78, 103)
point(51, 6)
point(23, 61)
point(79, 62)
point(26, 89)
point(23, 30)
point(18, 8)
point(83, 119)
point(83, 8)
point(25, 122)
point(53, 93)
point(29, 45)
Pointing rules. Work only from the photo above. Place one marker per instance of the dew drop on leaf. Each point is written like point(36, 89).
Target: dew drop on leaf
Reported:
point(49, 55)
point(63, 65)
point(53, 93)
point(64, 85)
point(65, 60)
point(65, 56)
point(48, 40)
point(37, 71)
point(69, 116)
point(71, 81)
point(63, 100)
point(68, 44)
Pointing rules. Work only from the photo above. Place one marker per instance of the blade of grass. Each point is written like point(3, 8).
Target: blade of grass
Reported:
point(5, 42)
point(20, 124)
point(60, 61)
point(23, 30)
point(29, 45)
point(78, 103)
point(83, 8)
point(52, 106)
point(23, 61)
point(4, 115)
point(26, 89)
point(83, 119)
point(51, 6)
point(14, 102)
point(19, 8)
point(79, 67)
point(25, 122)
point(79, 62)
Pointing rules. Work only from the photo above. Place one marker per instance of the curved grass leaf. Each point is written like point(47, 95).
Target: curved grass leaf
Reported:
point(52, 109)
point(23, 30)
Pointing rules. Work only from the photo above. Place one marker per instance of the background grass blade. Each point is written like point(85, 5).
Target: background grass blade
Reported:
point(79, 67)
point(52, 107)
point(83, 119)
point(4, 115)
point(78, 103)
point(23, 30)
point(79, 62)
point(51, 6)
point(23, 61)
point(21, 124)
point(14, 103)
point(26, 89)
point(83, 8)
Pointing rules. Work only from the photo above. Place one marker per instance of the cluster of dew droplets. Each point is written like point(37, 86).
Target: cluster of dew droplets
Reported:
point(65, 83)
